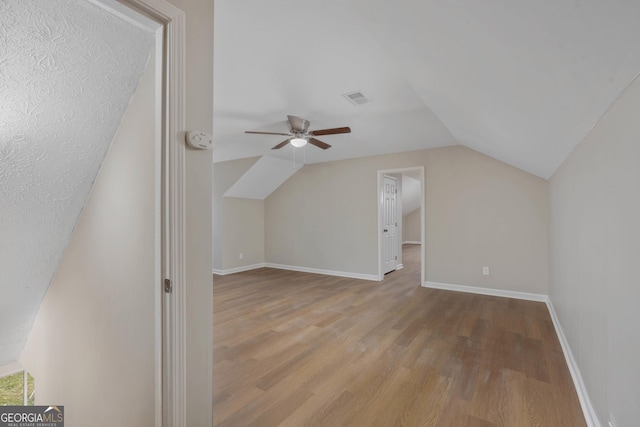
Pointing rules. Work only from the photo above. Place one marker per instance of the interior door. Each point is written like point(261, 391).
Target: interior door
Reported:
point(389, 224)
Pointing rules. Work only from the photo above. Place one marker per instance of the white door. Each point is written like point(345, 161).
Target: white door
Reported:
point(389, 225)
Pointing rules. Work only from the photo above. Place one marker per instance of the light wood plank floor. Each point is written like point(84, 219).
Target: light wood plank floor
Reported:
point(298, 349)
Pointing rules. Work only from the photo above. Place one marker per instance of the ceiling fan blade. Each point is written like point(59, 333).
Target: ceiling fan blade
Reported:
point(282, 144)
point(319, 143)
point(298, 124)
point(267, 133)
point(332, 131)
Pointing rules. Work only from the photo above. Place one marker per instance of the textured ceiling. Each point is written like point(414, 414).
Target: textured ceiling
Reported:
point(68, 70)
point(521, 81)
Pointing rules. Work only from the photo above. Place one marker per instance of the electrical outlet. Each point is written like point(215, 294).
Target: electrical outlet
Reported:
point(485, 271)
point(241, 256)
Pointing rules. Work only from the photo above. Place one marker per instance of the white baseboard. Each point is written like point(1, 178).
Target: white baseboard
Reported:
point(295, 268)
point(399, 266)
point(325, 272)
point(487, 291)
point(587, 408)
point(238, 269)
point(412, 242)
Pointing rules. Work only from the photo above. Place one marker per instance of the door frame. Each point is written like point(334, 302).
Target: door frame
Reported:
point(379, 189)
point(384, 224)
point(168, 22)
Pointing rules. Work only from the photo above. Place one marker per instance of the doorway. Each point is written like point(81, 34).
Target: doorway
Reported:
point(167, 22)
point(394, 210)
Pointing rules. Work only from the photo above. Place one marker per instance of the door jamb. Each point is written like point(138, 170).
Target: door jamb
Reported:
point(379, 188)
point(170, 308)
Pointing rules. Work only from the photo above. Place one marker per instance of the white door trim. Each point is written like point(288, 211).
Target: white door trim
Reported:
point(381, 173)
point(170, 322)
point(389, 266)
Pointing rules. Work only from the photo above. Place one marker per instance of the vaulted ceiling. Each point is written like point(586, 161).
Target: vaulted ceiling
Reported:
point(68, 70)
point(521, 81)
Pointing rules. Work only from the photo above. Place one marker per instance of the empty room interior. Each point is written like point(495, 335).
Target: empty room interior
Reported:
point(509, 301)
point(417, 213)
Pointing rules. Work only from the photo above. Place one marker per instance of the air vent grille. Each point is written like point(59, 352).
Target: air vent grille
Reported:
point(356, 98)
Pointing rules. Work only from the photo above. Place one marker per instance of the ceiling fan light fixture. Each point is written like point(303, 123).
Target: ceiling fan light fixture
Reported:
point(298, 142)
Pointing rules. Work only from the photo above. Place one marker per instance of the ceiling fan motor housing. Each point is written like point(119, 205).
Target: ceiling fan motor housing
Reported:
point(298, 124)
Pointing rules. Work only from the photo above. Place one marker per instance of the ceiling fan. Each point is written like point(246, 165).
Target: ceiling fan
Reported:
point(299, 134)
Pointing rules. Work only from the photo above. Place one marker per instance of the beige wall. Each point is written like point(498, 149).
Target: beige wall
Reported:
point(243, 232)
point(595, 250)
point(199, 177)
point(411, 227)
point(92, 344)
point(238, 224)
point(479, 212)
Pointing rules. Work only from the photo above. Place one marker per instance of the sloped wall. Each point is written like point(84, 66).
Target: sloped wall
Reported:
point(91, 348)
point(69, 70)
point(595, 248)
point(95, 327)
point(479, 212)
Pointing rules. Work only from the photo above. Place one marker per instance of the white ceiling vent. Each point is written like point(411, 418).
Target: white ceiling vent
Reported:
point(356, 98)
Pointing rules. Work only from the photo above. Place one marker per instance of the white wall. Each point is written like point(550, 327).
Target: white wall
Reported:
point(243, 232)
point(595, 253)
point(238, 224)
point(479, 212)
point(92, 344)
point(199, 177)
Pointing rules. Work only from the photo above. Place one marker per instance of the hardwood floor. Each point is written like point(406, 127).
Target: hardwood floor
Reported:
point(299, 349)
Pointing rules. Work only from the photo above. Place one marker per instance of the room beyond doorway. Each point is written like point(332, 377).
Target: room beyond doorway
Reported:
point(412, 177)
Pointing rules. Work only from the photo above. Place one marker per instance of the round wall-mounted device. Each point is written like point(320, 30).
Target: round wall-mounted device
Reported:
point(199, 140)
